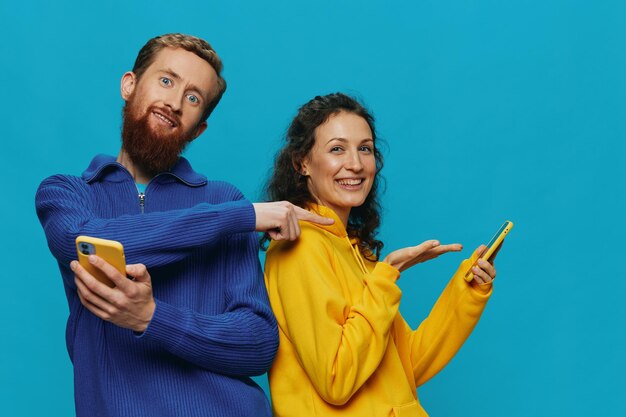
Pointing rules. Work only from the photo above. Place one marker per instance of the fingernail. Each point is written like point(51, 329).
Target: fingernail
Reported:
point(475, 269)
point(73, 265)
point(435, 243)
point(481, 262)
point(92, 259)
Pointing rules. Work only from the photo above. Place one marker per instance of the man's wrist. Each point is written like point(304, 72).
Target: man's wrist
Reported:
point(149, 313)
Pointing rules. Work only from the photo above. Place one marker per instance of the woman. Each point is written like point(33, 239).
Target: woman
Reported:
point(344, 347)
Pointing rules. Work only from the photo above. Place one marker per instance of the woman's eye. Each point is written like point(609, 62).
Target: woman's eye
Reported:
point(192, 98)
point(166, 81)
point(336, 149)
point(366, 148)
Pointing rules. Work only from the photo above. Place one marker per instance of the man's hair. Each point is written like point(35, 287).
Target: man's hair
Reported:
point(190, 43)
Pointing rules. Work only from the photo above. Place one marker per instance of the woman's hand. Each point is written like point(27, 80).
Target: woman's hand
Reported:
point(484, 271)
point(405, 258)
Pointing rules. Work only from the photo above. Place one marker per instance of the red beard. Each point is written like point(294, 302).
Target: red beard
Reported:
point(151, 150)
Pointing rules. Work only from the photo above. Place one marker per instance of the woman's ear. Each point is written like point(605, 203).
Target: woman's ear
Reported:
point(301, 167)
point(127, 85)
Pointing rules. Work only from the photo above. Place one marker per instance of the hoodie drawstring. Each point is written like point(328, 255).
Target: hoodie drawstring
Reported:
point(357, 256)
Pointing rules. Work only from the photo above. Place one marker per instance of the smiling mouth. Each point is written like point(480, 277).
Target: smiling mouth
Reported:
point(350, 183)
point(166, 120)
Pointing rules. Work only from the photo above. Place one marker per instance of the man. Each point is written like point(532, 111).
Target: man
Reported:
point(183, 339)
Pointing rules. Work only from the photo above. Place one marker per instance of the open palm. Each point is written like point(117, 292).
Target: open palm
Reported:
point(405, 258)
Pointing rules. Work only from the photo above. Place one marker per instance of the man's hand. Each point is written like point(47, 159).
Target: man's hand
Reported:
point(280, 219)
point(405, 258)
point(129, 304)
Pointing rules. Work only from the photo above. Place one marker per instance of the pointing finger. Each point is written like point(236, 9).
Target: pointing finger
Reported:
point(308, 216)
point(295, 226)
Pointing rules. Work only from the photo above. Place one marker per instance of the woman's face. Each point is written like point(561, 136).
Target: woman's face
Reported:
point(341, 166)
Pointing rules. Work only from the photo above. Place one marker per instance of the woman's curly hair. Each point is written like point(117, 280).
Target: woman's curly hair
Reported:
point(286, 182)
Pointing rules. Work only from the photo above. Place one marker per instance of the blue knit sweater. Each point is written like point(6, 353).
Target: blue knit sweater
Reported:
point(212, 327)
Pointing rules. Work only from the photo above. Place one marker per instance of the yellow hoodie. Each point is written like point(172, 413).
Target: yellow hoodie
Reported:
point(345, 350)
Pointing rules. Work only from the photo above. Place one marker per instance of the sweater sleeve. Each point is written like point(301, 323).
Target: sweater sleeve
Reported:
point(154, 239)
point(450, 322)
point(241, 341)
point(338, 343)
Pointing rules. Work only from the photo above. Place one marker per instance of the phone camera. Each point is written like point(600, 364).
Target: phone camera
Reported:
point(85, 248)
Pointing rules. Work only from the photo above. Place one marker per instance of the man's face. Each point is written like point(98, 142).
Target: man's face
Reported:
point(164, 108)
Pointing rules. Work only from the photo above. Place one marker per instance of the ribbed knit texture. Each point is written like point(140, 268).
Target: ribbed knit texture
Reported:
point(212, 326)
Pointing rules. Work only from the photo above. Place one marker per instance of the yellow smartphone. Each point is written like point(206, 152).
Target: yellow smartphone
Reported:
point(493, 244)
point(109, 250)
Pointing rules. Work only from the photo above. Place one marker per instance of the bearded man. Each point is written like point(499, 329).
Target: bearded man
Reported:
point(183, 339)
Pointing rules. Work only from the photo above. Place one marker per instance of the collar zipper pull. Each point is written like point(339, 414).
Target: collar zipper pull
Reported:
point(142, 201)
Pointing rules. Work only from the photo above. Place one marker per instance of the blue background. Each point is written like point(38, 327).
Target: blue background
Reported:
point(490, 110)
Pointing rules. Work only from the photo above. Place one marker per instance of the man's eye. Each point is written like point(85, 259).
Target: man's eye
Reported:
point(193, 99)
point(166, 81)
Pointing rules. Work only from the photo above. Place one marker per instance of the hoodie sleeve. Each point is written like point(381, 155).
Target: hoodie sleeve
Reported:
point(338, 342)
point(450, 322)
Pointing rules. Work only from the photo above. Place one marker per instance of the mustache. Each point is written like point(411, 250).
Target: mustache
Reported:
point(166, 112)
point(157, 150)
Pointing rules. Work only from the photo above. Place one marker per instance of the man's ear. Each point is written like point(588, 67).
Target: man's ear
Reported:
point(127, 85)
point(201, 128)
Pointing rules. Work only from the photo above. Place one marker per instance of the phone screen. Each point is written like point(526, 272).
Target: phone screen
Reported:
point(495, 237)
point(493, 244)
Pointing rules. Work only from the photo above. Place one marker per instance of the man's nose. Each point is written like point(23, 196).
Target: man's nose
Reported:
point(174, 100)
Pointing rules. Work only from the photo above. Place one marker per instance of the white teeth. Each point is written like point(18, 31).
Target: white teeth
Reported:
point(165, 119)
point(350, 181)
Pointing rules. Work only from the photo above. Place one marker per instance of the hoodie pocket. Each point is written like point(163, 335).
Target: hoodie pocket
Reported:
point(412, 409)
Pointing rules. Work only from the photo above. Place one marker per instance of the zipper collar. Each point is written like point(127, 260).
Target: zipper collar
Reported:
point(106, 166)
